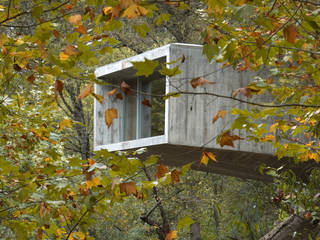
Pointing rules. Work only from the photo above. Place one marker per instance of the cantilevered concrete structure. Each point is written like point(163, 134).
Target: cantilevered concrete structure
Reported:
point(179, 128)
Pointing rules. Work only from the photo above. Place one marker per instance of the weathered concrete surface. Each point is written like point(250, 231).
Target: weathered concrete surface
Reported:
point(188, 119)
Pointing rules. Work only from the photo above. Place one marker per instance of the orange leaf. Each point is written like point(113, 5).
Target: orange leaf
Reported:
point(60, 171)
point(65, 123)
point(204, 159)
point(58, 86)
point(85, 92)
point(110, 114)
point(134, 11)
point(75, 19)
point(70, 50)
point(221, 114)
point(146, 102)
point(211, 156)
point(31, 78)
point(126, 88)
point(98, 97)
point(259, 42)
point(63, 56)
point(161, 170)
point(290, 33)
point(81, 29)
point(128, 188)
point(227, 139)
point(107, 11)
point(171, 235)
point(113, 91)
point(175, 176)
point(56, 33)
point(199, 81)
point(308, 216)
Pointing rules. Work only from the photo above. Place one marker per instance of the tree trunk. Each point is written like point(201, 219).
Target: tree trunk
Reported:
point(195, 231)
point(295, 227)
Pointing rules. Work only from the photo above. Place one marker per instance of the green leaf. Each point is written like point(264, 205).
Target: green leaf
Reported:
point(184, 222)
point(142, 29)
point(211, 51)
point(169, 71)
point(113, 25)
point(145, 68)
point(163, 17)
point(171, 94)
point(151, 160)
point(185, 168)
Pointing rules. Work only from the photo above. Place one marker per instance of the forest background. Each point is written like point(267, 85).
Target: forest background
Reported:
point(53, 186)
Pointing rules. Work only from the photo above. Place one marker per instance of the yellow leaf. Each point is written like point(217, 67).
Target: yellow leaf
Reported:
point(134, 11)
point(112, 92)
point(204, 159)
point(77, 236)
point(211, 156)
point(268, 138)
point(110, 114)
point(63, 56)
point(85, 92)
point(93, 182)
point(171, 235)
point(65, 123)
point(273, 127)
point(75, 19)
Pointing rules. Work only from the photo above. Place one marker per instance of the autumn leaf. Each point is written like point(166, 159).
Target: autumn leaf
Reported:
point(107, 11)
point(93, 182)
point(220, 114)
point(58, 86)
point(134, 11)
point(206, 156)
point(146, 102)
point(308, 216)
point(65, 123)
point(75, 19)
point(171, 235)
point(45, 209)
point(290, 33)
point(175, 176)
point(161, 170)
point(70, 50)
point(98, 97)
point(259, 42)
point(125, 88)
point(81, 29)
point(119, 96)
point(110, 114)
point(128, 188)
point(227, 139)
point(112, 92)
point(56, 33)
point(244, 91)
point(200, 81)
point(63, 56)
point(31, 78)
point(85, 92)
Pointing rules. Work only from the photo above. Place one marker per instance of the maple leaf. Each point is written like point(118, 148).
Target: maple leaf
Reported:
point(81, 29)
point(70, 50)
point(161, 170)
point(75, 19)
point(200, 81)
point(112, 92)
point(227, 139)
point(63, 56)
point(56, 33)
point(175, 176)
point(98, 97)
point(31, 78)
point(220, 114)
point(134, 11)
point(126, 88)
point(290, 33)
point(115, 181)
point(205, 158)
point(259, 42)
point(171, 235)
point(93, 182)
point(65, 123)
point(128, 188)
point(146, 102)
point(85, 92)
point(45, 209)
point(58, 86)
point(110, 114)
point(244, 91)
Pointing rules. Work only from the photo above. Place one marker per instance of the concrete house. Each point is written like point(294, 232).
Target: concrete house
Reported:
point(179, 128)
